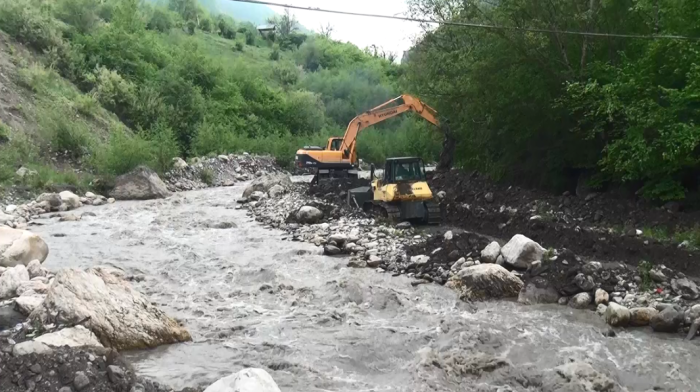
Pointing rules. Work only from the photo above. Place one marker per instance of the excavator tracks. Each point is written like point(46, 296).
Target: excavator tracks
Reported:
point(392, 212)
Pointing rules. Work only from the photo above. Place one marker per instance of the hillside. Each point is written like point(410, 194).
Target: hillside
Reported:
point(121, 84)
point(254, 13)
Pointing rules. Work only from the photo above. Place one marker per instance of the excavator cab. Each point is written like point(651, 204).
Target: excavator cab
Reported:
point(335, 143)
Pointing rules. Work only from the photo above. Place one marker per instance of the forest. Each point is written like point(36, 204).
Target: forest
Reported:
point(551, 109)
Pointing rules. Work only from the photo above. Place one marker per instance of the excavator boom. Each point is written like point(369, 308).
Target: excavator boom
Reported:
point(342, 155)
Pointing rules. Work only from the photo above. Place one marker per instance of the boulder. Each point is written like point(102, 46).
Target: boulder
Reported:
point(374, 261)
point(448, 235)
point(521, 251)
point(70, 199)
point(331, 250)
point(580, 301)
point(11, 280)
point(580, 377)
point(257, 196)
point(668, 320)
point(491, 252)
point(20, 247)
point(420, 259)
point(35, 269)
point(106, 304)
point(538, 291)
point(584, 282)
point(179, 163)
point(686, 288)
point(30, 347)
point(617, 315)
point(53, 199)
point(601, 297)
point(641, 317)
point(692, 314)
point(309, 215)
point(34, 286)
point(27, 304)
point(339, 239)
point(487, 281)
point(24, 172)
point(141, 184)
point(265, 182)
point(77, 336)
point(247, 380)
point(4, 218)
point(276, 191)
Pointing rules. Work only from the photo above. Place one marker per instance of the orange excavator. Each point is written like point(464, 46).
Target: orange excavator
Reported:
point(339, 157)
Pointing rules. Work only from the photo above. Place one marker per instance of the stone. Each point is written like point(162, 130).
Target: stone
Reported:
point(535, 292)
point(276, 191)
point(617, 315)
point(491, 252)
point(657, 276)
point(309, 215)
point(374, 261)
point(331, 250)
point(77, 336)
point(30, 347)
point(70, 199)
point(20, 247)
point(35, 269)
point(53, 199)
point(448, 236)
point(89, 195)
point(69, 218)
point(247, 380)
point(601, 309)
point(641, 317)
point(686, 288)
point(106, 304)
point(563, 301)
point(580, 377)
point(67, 389)
point(339, 239)
point(521, 251)
point(420, 259)
point(27, 304)
point(116, 374)
point(81, 381)
point(24, 172)
point(11, 208)
point(99, 202)
point(692, 314)
point(584, 282)
point(111, 200)
point(141, 184)
point(441, 195)
point(601, 297)
point(580, 301)
point(4, 218)
point(404, 225)
point(11, 279)
point(487, 281)
point(257, 196)
point(668, 320)
point(223, 158)
point(357, 263)
point(489, 197)
point(265, 182)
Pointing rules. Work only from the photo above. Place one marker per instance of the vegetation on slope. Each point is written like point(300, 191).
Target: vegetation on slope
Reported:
point(184, 82)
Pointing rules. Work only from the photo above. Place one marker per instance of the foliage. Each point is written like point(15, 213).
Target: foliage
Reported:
point(28, 24)
point(644, 269)
point(207, 176)
point(65, 136)
point(81, 14)
point(161, 20)
point(542, 108)
point(122, 153)
point(285, 24)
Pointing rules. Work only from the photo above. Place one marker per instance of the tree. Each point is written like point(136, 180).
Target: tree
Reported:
point(81, 14)
point(327, 30)
point(206, 24)
point(161, 20)
point(285, 24)
point(188, 9)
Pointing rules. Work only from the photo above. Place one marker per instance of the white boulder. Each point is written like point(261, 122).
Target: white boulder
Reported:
point(617, 315)
point(487, 281)
point(601, 297)
point(309, 215)
point(30, 347)
point(70, 199)
point(11, 279)
point(490, 253)
point(580, 301)
point(20, 247)
point(276, 191)
point(247, 380)
point(179, 163)
point(26, 304)
point(77, 336)
point(521, 251)
point(265, 182)
point(104, 301)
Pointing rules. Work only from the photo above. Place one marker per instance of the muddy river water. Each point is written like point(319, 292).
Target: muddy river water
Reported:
point(251, 298)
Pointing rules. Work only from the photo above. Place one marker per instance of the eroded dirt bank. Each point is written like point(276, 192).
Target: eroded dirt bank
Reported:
point(250, 298)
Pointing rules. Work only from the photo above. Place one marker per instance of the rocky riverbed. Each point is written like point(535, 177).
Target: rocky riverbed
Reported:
point(386, 308)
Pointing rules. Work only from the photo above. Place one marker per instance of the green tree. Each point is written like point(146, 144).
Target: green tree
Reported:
point(161, 20)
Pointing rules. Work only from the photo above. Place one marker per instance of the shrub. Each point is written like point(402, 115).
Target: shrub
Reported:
point(206, 25)
point(28, 24)
point(239, 46)
point(112, 91)
point(275, 54)
point(161, 20)
point(4, 133)
point(123, 153)
point(164, 148)
point(64, 134)
point(207, 176)
point(191, 25)
point(86, 104)
point(249, 38)
point(17, 151)
point(36, 77)
point(81, 14)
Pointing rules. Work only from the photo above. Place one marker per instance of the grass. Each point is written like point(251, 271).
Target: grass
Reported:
point(207, 176)
point(692, 236)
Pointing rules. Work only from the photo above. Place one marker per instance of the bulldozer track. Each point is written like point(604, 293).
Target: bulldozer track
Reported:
point(434, 214)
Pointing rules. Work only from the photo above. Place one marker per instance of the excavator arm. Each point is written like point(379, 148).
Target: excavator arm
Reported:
point(381, 113)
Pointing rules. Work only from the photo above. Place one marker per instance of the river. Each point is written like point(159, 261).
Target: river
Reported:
point(251, 298)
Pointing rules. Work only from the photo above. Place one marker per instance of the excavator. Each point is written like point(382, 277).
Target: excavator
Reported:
point(339, 157)
point(403, 193)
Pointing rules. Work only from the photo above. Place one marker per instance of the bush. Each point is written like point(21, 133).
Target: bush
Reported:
point(286, 74)
point(87, 105)
point(4, 133)
point(207, 176)
point(64, 134)
point(122, 154)
point(238, 47)
point(112, 91)
point(36, 77)
point(81, 14)
point(206, 25)
point(214, 138)
point(275, 54)
point(191, 25)
point(161, 20)
point(29, 24)
point(164, 148)
point(249, 38)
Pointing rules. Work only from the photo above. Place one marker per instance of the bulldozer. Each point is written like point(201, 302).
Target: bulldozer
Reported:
point(402, 194)
point(339, 157)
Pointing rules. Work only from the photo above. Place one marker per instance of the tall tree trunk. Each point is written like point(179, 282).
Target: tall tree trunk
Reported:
point(589, 25)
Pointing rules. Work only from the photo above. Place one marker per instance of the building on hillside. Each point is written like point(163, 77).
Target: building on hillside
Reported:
point(267, 29)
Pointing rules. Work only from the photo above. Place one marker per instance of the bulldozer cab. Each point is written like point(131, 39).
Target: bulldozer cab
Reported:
point(404, 170)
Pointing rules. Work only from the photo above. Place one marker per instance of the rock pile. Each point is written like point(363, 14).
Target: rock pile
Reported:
point(224, 170)
point(18, 216)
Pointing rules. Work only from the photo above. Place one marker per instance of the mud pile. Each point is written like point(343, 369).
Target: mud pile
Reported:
point(598, 226)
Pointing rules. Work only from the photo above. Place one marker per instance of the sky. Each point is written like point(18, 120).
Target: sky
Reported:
point(392, 35)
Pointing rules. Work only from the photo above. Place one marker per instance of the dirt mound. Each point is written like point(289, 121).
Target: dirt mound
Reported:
point(336, 189)
point(598, 226)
